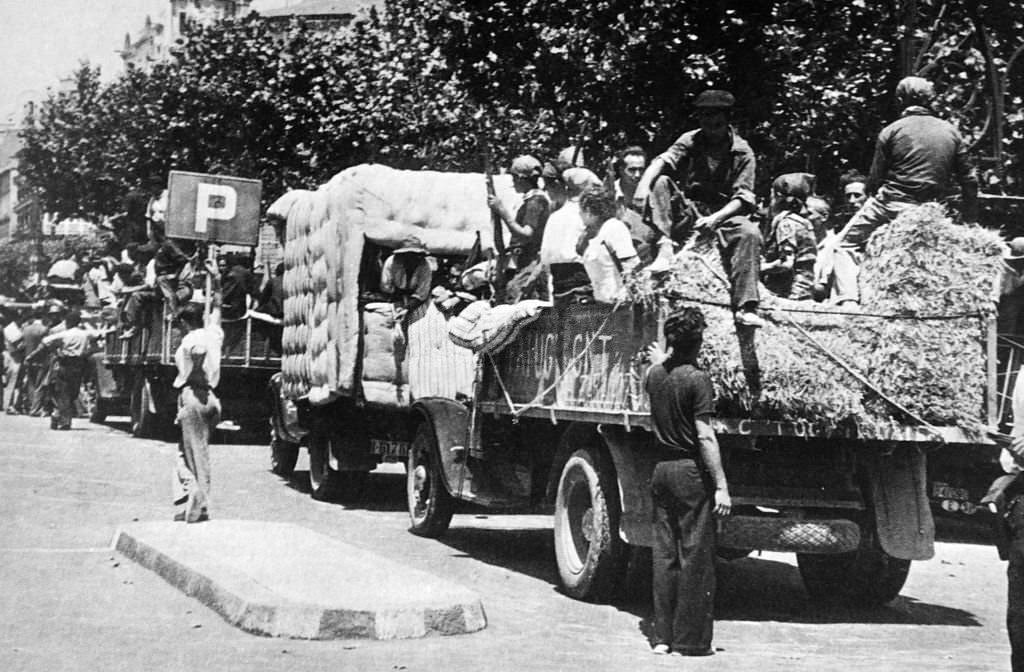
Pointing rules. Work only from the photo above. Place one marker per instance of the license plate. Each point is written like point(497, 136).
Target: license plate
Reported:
point(946, 491)
point(388, 448)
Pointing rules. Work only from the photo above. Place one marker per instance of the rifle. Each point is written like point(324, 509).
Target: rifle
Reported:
point(498, 227)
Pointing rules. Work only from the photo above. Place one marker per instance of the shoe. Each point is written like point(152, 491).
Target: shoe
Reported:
point(748, 318)
point(179, 517)
point(201, 518)
point(693, 652)
point(660, 650)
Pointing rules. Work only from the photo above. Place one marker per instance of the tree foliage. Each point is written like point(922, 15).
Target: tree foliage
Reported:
point(439, 83)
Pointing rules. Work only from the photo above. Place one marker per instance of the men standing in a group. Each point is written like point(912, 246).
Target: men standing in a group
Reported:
point(688, 489)
point(917, 158)
point(716, 170)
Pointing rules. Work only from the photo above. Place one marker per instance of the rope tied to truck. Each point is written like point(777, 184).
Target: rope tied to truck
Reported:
point(537, 400)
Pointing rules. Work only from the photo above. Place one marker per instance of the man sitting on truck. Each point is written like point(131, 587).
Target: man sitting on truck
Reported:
point(917, 158)
point(716, 170)
point(688, 489)
point(407, 276)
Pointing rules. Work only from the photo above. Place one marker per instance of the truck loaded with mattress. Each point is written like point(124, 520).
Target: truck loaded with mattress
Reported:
point(826, 417)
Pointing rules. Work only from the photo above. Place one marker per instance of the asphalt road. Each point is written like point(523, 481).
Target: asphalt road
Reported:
point(69, 603)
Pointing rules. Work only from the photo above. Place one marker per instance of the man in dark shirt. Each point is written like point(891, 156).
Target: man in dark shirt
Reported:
point(688, 488)
point(917, 158)
point(716, 168)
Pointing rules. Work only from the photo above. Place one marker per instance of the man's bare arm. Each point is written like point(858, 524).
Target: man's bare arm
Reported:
point(713, 462)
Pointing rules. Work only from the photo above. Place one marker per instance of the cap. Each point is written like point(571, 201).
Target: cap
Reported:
point(412, 244)
point(1016, 250)
point(577, 180)
point(553, 169)
point(714, 99)
point(525, 166)
point(797, 185)
point(915, 90)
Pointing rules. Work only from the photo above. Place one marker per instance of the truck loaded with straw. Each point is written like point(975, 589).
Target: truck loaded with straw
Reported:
point(826, 417)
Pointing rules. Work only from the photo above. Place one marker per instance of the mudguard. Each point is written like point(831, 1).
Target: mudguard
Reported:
point(899, 493)
point(449, 420)
point(633, 469)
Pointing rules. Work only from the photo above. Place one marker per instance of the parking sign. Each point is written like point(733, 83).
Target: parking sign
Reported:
point(214, 208)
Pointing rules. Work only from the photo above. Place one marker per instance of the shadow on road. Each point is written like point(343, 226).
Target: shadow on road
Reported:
point(749, 589)
point(380, 492)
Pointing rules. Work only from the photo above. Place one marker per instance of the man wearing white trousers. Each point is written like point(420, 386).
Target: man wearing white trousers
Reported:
point(198, 363)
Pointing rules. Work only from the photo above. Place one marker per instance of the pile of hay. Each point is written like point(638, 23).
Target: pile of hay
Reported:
point(921, 265)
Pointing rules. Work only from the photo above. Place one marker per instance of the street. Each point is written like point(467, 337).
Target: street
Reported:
point(70, 603)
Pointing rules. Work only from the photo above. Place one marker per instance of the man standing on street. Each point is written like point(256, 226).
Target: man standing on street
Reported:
point(198, 362)
point(716, 170)
point(917, 158)
point(73, 345)
point(688, 489)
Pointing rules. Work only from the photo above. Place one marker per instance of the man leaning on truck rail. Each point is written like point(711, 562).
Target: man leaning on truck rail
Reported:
point(688, 489)
point(198, 362)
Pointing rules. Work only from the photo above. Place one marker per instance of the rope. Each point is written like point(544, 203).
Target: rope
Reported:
point(536, 401)
point(849, 313)
point(863, 379)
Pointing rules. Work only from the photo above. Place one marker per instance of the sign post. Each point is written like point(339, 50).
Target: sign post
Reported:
point(214, 209)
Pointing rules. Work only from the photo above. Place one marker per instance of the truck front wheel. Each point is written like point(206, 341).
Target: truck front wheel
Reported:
point(588, 549)
point(430, 505)
point(867, 577)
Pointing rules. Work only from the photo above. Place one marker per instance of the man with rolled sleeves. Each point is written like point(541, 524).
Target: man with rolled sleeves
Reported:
point(715, 190)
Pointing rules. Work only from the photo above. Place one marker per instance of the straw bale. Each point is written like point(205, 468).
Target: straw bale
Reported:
point(921, 265)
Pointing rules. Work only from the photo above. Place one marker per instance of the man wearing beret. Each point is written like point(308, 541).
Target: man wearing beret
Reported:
point(715, 168)
point(526, 226)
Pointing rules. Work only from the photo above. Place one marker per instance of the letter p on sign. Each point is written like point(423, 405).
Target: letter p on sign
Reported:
point(214, 201)
point(214, 208)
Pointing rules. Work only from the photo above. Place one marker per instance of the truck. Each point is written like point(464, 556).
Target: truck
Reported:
point(558, 421)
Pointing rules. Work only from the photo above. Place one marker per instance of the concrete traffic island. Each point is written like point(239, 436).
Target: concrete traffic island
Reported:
point(283, 580)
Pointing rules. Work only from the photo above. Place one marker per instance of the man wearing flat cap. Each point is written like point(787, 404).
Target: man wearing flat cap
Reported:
point(917, 159)
point(715, 190)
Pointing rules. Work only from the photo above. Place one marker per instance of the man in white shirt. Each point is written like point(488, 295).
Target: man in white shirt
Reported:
point(198, 362)
point(72, 346)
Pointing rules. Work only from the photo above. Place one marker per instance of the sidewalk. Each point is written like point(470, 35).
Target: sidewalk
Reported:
point(283, 580)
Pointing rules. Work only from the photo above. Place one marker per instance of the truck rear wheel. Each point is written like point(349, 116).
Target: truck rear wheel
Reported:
point(430, 505)
point(588, 549)
point(144, 422)
point(283, 456)
point(867, 577)
point(327, 484)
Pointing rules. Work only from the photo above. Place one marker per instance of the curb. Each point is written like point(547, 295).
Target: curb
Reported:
point(254, 605)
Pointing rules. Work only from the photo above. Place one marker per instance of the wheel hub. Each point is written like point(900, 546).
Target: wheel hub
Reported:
point(587, 525)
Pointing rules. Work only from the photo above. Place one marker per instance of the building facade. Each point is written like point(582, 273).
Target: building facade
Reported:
point(322, 16)
point(161, 33)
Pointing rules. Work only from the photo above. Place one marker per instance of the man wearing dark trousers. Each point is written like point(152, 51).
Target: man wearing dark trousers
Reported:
point(72, 347)
point(688, 489)
point(715, 169)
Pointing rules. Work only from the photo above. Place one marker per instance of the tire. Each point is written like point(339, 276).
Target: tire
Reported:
point(429, 502)
point(867, 577)
point(144, 422)
point(588, 550)
point(327, 484)
point(283, 456)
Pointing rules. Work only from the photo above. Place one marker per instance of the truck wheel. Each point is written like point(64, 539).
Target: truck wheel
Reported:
point(324, 482)
point(144, 421)
point(283, 456)
point(588, 549)
point(867, 577)
point(327, 484)
point(430, 505)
